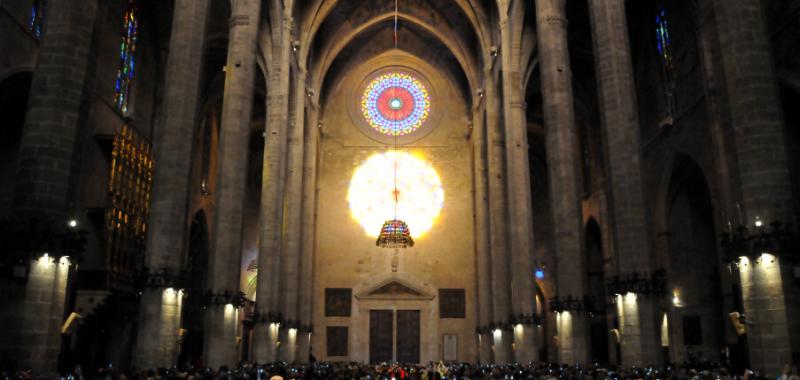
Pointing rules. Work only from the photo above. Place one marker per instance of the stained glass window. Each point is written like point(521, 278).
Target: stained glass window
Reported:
point(395, 104)
point(37, 17)
point(127, 57)
point(663, 42)
point(664, 46)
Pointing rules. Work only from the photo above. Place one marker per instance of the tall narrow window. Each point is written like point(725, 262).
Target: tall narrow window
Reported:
point(37, 17)
point(127, 56)
point(662, 38)
point(664, 46)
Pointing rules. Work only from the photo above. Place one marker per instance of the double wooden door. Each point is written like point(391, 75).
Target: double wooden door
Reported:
point(390, 341)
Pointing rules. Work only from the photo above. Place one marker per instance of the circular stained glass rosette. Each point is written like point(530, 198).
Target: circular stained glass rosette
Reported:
point(395, 104)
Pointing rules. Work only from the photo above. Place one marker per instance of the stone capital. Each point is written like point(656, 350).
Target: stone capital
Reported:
point(556, 20)
point(239, 20)
point(162, 277)
point(223, 297)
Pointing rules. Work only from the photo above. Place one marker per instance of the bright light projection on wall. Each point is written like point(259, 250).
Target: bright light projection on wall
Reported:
point(420, 196)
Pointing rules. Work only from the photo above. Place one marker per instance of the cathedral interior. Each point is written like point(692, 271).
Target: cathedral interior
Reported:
point(399, 181)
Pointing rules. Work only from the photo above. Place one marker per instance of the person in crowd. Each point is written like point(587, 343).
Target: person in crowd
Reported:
point(402, 371)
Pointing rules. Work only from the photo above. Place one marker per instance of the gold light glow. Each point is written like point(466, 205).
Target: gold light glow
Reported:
point(371, 189)
point(498, 334)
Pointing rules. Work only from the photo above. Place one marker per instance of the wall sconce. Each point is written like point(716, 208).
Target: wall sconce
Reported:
point(493, 51)
point(525, 319)
point(570, 303)
point(270, 317)
point(498, 327)
point(45, 259)
point(48, 241)
point(741, 243)
point(676, 299)
point(161, 278)
point(655, 283)
point(235, 299)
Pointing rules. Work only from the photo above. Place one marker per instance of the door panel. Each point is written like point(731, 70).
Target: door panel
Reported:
point(408, 336)
point(380, 335)
point(450, 347)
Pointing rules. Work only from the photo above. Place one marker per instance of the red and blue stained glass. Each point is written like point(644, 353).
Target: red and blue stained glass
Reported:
point(127, 57)
point(395, 104)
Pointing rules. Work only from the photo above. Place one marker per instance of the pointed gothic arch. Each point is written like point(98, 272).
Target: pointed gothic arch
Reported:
point(695, 319)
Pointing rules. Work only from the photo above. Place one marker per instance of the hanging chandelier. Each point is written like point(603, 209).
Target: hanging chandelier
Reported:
point(395, 232)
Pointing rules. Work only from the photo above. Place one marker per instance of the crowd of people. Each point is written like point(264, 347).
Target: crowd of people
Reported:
point(431, 371)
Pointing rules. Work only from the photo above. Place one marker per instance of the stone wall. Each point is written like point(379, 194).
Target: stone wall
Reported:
point(346, 256)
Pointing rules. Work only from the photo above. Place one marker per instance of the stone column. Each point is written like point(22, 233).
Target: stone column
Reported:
point(159, 315)
point(305, 280)
point(32, 314)
point(770, 294)
point(265, 332)
point(482, 236)
point(33, 309)
point(293, 206)
point(501, 277)
point(520, 218)
point(619, 116)
point(562, 163)
point(222, 320)
point(55, 112)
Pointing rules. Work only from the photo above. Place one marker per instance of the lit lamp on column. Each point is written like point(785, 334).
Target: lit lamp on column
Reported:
point(48, 240)
point(638, 283)
point(571, 303)
point(776, 239)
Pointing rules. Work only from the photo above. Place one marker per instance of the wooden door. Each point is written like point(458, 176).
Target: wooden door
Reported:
point(380, 335)
point(408, 336)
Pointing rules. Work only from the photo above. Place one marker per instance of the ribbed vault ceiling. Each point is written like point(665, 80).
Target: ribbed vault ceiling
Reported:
point(452, 35)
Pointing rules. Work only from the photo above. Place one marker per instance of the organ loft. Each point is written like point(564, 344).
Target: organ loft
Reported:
point(472, 187)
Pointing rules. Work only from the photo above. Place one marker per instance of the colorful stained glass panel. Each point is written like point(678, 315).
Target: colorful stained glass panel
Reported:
point(37, 17)
point(663, 43)
point(127, 57)
point(395, 104)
